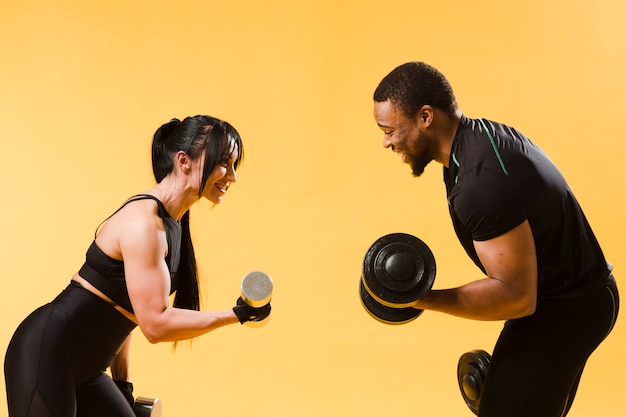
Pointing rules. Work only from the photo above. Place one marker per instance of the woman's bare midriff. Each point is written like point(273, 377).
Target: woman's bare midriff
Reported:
point(86, 285)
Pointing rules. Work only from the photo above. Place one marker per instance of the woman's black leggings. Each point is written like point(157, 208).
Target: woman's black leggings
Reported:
point(538, 360)
point(55, 362)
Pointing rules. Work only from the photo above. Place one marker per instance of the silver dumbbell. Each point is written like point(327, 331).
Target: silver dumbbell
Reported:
point(147, 407)
point(256, 291)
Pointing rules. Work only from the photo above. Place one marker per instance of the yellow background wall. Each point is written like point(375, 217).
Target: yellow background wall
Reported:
point(83, 86)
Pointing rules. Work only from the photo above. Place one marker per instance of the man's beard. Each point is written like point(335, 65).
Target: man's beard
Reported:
point(418, 163)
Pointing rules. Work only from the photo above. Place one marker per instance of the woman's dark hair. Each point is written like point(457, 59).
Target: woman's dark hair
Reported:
point(193, 135)
point(415, 84)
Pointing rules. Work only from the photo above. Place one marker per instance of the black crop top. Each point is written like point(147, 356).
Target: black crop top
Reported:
point(107, 274)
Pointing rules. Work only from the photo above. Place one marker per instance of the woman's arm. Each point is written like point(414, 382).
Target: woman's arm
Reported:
point(143, 247)
point(510, 289)
point(121, 362)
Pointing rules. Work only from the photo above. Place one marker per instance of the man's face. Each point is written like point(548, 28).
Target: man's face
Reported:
point(404, 136)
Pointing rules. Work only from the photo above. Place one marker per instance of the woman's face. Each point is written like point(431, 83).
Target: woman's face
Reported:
point(222, 176)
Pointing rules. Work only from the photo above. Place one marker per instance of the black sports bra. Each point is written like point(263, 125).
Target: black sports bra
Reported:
point(107, 274)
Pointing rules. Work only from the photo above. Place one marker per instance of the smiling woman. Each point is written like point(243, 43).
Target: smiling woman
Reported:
point(140, 255)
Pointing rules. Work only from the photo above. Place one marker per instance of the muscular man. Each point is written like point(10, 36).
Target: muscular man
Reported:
point(517, 219)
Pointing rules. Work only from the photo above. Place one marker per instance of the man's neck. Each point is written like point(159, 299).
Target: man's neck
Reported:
point(446, 132)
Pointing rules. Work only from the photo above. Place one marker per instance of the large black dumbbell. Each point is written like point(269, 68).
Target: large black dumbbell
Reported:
point(147, 407)
point(471, 373)
point(256, 291)
point(398, 270)
point(385, 314)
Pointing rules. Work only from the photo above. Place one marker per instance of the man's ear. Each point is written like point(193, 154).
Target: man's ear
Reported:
point(425, 115)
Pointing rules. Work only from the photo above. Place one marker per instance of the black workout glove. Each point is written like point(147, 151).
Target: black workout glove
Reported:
point(246, 313)
point(127, 390)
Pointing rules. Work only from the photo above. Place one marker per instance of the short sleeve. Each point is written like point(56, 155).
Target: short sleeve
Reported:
point(488, 204)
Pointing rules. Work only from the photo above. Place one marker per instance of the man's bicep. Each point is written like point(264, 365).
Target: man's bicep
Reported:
point(511, 258)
